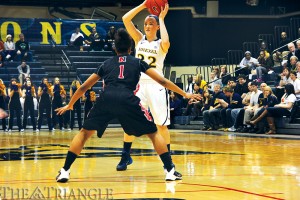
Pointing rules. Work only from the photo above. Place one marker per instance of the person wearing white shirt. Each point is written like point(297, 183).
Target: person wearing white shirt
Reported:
point(296, 83)
point(254, 104)
point(284, 108)
point(248, 63)
point(77, 39)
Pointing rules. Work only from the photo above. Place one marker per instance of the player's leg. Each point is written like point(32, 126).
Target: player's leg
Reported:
point(126, 158)
point(164, 132)
point(161, 149)
point(74, 150)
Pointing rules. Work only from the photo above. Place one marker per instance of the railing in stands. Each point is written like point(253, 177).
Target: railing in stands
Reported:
point(284, 46)
point(268, 39)
point(295, 25)
point(253, 47)
point(204, 71)
point(277, 33)
point(65, 62)
point(234, 58)
point(184, 79)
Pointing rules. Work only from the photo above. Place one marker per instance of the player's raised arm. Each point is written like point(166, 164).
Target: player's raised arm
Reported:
point(165, 42)
point(127, 19)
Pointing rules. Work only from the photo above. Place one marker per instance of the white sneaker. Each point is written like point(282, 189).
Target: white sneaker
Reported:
point(22, 130)
point(231, 129)
point(53, 129)
point(63, 176)
point(37, 130)
point(170, 176)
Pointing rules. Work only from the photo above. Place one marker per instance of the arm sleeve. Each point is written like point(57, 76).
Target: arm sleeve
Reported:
point(144, 66)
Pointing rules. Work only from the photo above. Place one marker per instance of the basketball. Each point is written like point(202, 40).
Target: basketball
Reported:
point(154, 6)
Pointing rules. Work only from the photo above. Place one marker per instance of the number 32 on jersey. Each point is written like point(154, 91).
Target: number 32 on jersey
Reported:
point(152, 60)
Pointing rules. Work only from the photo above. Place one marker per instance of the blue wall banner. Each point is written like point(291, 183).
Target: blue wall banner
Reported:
point(40, 30)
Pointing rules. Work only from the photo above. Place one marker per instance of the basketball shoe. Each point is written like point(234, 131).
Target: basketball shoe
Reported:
point(63, 176)
point(125, 160)
point(172, 176)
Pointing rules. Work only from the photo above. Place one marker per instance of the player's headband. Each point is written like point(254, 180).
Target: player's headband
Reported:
point(155, 17)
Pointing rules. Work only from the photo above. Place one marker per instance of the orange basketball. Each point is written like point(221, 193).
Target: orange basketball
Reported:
point(154, 6)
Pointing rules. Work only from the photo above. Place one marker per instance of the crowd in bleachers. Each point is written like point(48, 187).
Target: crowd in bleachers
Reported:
point(248, 100)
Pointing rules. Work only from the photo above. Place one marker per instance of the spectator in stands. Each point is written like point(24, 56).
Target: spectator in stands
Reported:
point(110, 38)
point(237, 114)
point(298, 44)
point(58, 91)
point(211, 122)
point(28, 93)
point(283, 41)
point(263, 47)
point(252, 107)
point(247, 64)
point(23, 49)
point(77, 106)
point(293, 61)
point(214, 81)
point(293, 52)
point(200, 82)
point(231, 83)
point(217, 72)
point(277, 59)
point(284, 79)
point(269, 100)
point(2, 51)
point(95, 41)
point(206, 100)
point(264, 65)
point(298, 69)
point(175, 108)
point(284, 108)
point(77, 39)
point(232, 101)
point(24, 71)
point(224, 75)
point(241, 87)
point(296, 83)
point(10, 48)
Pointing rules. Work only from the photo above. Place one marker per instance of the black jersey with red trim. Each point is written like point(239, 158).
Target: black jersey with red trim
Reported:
point(122, 71)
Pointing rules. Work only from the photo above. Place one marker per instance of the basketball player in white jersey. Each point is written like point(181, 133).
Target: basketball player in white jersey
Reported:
point(153, 51)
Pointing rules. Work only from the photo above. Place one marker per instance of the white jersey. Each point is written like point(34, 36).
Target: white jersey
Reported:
point(152, 54)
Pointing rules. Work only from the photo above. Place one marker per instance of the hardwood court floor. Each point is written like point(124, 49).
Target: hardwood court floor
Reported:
point(214, 166)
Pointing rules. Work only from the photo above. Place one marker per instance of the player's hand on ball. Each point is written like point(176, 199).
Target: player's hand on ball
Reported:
point(164, 11)
point(62, 110)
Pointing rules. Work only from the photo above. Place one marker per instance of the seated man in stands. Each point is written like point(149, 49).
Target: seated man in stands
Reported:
point(253, 106)
point(23, 49)
point(77, 39)
point(298, 44)
point(24, 71)
point(210, 117)
point(293, 52)
point(233, 100)
point(247, 64)
point(95, 41)
point(190, 84)
point(224, 75)
point(214, 81)
point(283, 41)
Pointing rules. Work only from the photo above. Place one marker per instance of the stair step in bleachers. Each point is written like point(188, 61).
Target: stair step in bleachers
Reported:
point(16, 64)
point(88, 58)
point(85, 70)
point(90, 53)
point(86, 64)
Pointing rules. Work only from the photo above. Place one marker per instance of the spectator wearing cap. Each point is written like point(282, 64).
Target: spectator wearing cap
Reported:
point(247, 64)
point(95, 41)
point(252, 107)
point(296, 83)
point(10, 48)
point(23, 50)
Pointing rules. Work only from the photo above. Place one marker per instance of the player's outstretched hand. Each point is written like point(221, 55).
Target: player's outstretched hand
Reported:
point(62, 110)
point(193, 96)
point(164, 11)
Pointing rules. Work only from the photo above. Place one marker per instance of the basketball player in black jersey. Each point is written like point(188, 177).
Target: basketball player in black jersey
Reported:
point(121, 75)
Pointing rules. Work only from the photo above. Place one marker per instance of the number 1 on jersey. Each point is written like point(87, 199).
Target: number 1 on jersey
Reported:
point(121, 74)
